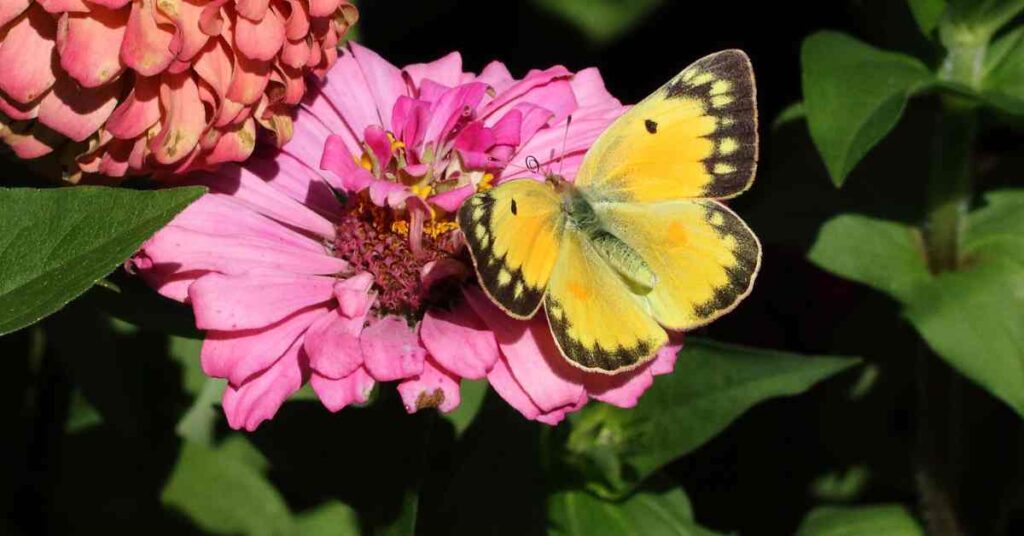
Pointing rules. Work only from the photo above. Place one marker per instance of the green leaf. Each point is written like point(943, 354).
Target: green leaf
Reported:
point(1003, 79)
point(974, 319)
point(712, 385)
point(223, 491)
point(854, 94)
point(884, 255)
point(793, 112)
point(996, 231)
point(927, 13)
point(473, 393)
point(601, 20)
point(333, 518)
point(405, 523)
point(982, 18)
point(56, 243)
point(646, 512)
point(890, 520)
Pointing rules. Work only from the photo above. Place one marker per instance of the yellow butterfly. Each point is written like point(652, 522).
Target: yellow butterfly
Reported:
point(639, 243)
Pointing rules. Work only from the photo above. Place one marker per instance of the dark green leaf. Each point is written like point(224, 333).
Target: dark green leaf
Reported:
point(601, 20)
point(890, 520)
point(997, 230)
point(646, 512)
point(405, 523)
point(1003, 79)
point(974, 319)
point(472, 392)
point(223, 491)
point(884, 255)
point(55, 243)
point(927, 13)
point(793, 112)
point(854, 94)
point(712, 385)
point(332, 518)
point(982, 17)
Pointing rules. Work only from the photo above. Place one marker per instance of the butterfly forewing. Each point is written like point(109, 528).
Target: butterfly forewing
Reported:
point(695, 137)
point(514, 232)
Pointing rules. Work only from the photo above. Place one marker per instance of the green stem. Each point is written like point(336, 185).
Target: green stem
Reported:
point(940, 396)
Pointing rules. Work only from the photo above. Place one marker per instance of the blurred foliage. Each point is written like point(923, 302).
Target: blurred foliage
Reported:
point(602, 20)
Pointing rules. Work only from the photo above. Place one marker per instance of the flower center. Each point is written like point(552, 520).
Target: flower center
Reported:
point(377, 240)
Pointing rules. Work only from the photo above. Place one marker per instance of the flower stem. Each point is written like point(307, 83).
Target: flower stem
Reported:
point(940, 393)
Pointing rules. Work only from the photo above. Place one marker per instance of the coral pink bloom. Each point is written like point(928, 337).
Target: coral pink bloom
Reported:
point(294, 284)
point(133, 86)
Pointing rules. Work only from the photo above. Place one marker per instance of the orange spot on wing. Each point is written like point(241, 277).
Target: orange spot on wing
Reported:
point(676, 234)
point(578, 291)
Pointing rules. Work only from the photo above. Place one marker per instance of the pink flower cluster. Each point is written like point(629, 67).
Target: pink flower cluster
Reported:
point(134, 86)
point(336, 260)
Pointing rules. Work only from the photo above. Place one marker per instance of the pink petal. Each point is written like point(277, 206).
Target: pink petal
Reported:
point(295, 53)
point(196, 250)
point(297, 24)
point(588, 86)
point(211, 20)
point(409, 120)
point(501, 379)
point(442, 269)
point(112, 4)
point(496, 75)
point(238, 355)
point(16, 110)
point(77, 112)
point(252, 191)
point(460, 341)
point(529, 89)
point(259, 39)
point(354, 296)
point(433, 388)
point(232, 218)
point(139, 111)
point(253, 301)
point(665, 361)
point(252, 9)
point(26, 53)
point(39, 140)
point(59, 7)
point(453, 106)
point(338, 160)
point(383, 80)
point(391, 349)
point(532, 355)
point(377, 139)
point(259, 398)
point(350, 95)
point(452, 200)
point(146, 47)
point(184, 118)
point(323, 8)
point(10, 9)
point(234, 143)
point(332, 344)
point(446, 71)
point(185, 15)
point(89, 45)
point(248, 80)
point(337, 394)
point(622, 390)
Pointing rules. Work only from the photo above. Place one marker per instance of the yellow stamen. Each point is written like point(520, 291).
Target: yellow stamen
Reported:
point(485, 182)
point(422, 190)
point(365, 161)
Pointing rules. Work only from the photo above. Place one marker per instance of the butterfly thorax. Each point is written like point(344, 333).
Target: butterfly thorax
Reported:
point(580, 215)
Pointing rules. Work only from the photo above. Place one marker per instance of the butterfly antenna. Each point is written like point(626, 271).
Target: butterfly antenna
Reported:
point(532, 165)
point(565, 142)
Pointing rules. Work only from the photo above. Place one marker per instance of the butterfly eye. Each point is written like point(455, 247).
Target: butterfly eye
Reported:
point(515, 210)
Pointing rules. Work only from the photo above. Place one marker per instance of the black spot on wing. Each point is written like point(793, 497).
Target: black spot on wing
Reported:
point(597, 357)
point(475, 222)
point(741, 275)
point(734, 160)
point(651, 126)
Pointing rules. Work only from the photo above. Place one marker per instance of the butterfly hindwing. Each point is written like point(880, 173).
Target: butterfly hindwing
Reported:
point(704, 256)
point(514, 233)
point(597, 322)
point(695, 137)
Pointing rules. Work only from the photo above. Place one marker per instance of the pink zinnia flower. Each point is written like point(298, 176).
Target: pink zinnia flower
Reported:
point(134, 86)
point(358, 274)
